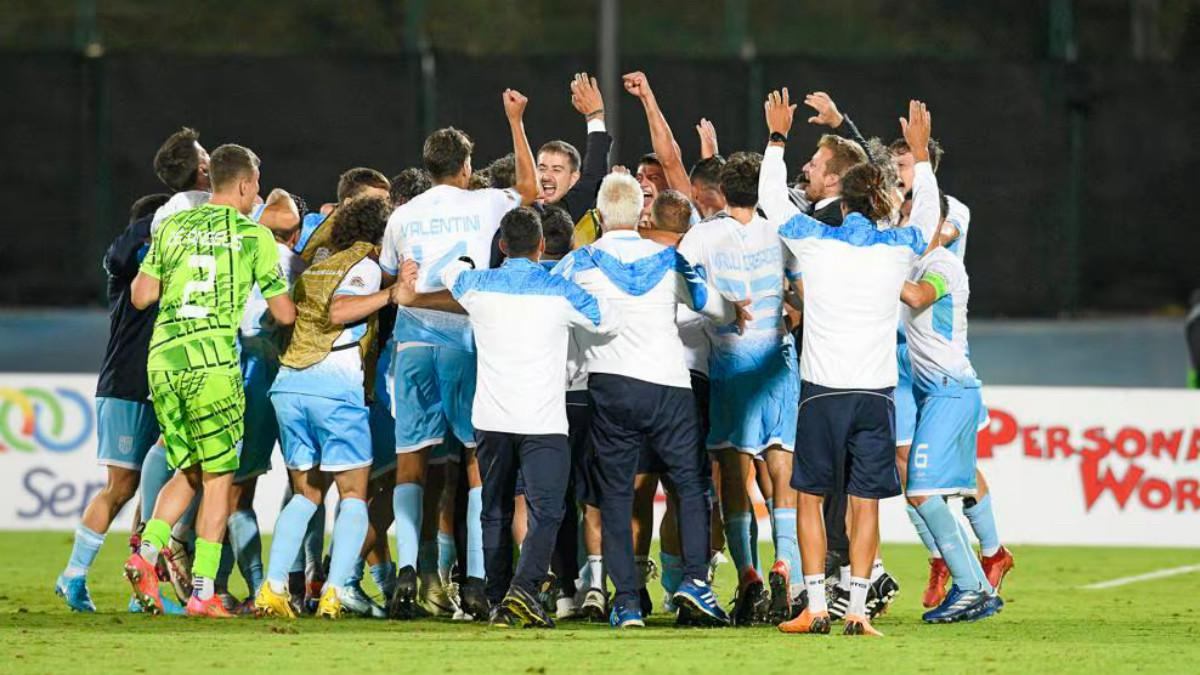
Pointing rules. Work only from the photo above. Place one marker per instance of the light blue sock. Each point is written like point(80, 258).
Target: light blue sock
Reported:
point(314, 543)
point(83, 553)
point(406, 502)
point(922, 530)
point(475, 533)
point(427, 556)
point(225, 569)
point(955, 548)
point(447, 553)
point(290, 529)
point(350, 530)
point(384, 575)
point(672, 571)
point(247, 547)
point(155, 474)
point(983, 522)
point(787, 548)
point(738, 537)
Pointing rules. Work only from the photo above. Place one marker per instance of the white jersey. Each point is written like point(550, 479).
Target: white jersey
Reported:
point(340, 374)
point(441, 225)
point(645, 282)
point(852, 278)
point(937, 335)
point(694, 333)
point(523, 317)
point(960, 217)
point(744, 262)
point(179, 202)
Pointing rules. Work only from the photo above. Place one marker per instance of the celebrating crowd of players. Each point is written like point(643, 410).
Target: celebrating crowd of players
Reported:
point(521, 356)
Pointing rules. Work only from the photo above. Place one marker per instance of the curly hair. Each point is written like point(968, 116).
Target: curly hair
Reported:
point(739, 179)
point(362, 219)
point(864, 190)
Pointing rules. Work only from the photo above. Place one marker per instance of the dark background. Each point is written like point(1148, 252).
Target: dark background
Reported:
point(1068, 125)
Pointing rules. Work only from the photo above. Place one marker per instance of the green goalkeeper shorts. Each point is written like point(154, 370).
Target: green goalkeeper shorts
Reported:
point(201, 415)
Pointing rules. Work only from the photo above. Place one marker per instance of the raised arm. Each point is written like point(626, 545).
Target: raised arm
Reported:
point(772, 177)
point(661, 138)
point(926, 206)
point(708, 139)
point(514, 110)
point(828, 115)
point(586, 98)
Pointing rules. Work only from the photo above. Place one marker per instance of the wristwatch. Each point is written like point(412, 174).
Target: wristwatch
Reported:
point(777, 137)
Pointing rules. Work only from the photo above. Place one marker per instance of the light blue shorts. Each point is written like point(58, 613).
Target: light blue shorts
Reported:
point(906, 406)
point(432, 391)
point(126, 430)
point(754, 398)
point(260, 365)
point(325, 432)
point(942, 458)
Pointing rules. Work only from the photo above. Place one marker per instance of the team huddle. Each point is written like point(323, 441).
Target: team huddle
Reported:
point(504, 366)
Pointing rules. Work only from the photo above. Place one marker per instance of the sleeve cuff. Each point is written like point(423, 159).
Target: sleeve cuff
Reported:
point(773, 151)
point(596, 126)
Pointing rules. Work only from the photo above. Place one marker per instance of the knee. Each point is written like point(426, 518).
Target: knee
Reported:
point(119, 492)
point(410, 468)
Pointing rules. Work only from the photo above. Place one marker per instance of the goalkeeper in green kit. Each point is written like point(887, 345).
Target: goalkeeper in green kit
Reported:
point(201, 267)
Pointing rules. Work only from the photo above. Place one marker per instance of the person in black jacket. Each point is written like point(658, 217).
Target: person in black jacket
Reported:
point(125, 420)
point(563, 178)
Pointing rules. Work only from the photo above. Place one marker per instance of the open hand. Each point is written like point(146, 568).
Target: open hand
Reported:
point(780, 111)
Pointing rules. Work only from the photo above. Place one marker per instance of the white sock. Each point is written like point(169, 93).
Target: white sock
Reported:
point(278, 587)
point(815, 583)
point(844, 577)
point(149, 552)
point(877, 570)
point(596, 570)
point(858, 596)
point(203, 587)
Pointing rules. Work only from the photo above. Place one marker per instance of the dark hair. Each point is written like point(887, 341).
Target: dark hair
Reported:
point(354, 181)
point(739, 179)
point(147, 205)
point(230, 162)
point(177, 162)
point(360, 220)
point(707, 171)
point(408, 184)
point(944, 203)
point(900, 147)
point(562, 148)
point(445, 152)
point(559, 231)
point(479, 180)
point(671, 211)
point(503, 171)
point(864, 191)
point(521, 230)
point(649, 158)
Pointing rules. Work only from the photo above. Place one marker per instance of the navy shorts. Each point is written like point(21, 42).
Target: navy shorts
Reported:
point(579, 423)
point(846, 441)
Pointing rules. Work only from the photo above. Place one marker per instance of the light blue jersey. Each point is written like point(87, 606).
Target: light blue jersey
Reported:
point(755, 384)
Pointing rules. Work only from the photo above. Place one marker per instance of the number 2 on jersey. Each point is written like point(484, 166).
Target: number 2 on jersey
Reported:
point(205, 267)
point(433, 275)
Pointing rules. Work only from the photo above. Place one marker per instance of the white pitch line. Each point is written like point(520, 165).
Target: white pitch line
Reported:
point(1159, 574)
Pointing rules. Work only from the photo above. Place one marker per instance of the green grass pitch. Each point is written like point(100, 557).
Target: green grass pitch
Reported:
point(1050, 624)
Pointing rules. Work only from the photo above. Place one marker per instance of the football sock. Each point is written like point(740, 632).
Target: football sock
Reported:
point(290, 530)
point(595, 571)
point(737, 536)
point(384, 575)
point(155, 474)
point(247, 547)
point(407, 503)
point(922, 530)
point(447, 552)
point(956, 550)
point(672, 571)
point(815, 584)
point(475, 533)
point(844, 577)
point(427, 556)
point(350, 530)
point(87, 545)
point(787, 548)
point(205, 567)
point(877, 569)
point(314, 543)
point(858, 596)
point(155, 537)
point(983, 522)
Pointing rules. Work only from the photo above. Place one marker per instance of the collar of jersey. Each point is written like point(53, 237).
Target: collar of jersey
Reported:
point(621, 234)
point(518, 263)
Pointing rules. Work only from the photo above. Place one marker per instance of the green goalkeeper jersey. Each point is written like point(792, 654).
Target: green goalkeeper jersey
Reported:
point(207, 259)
